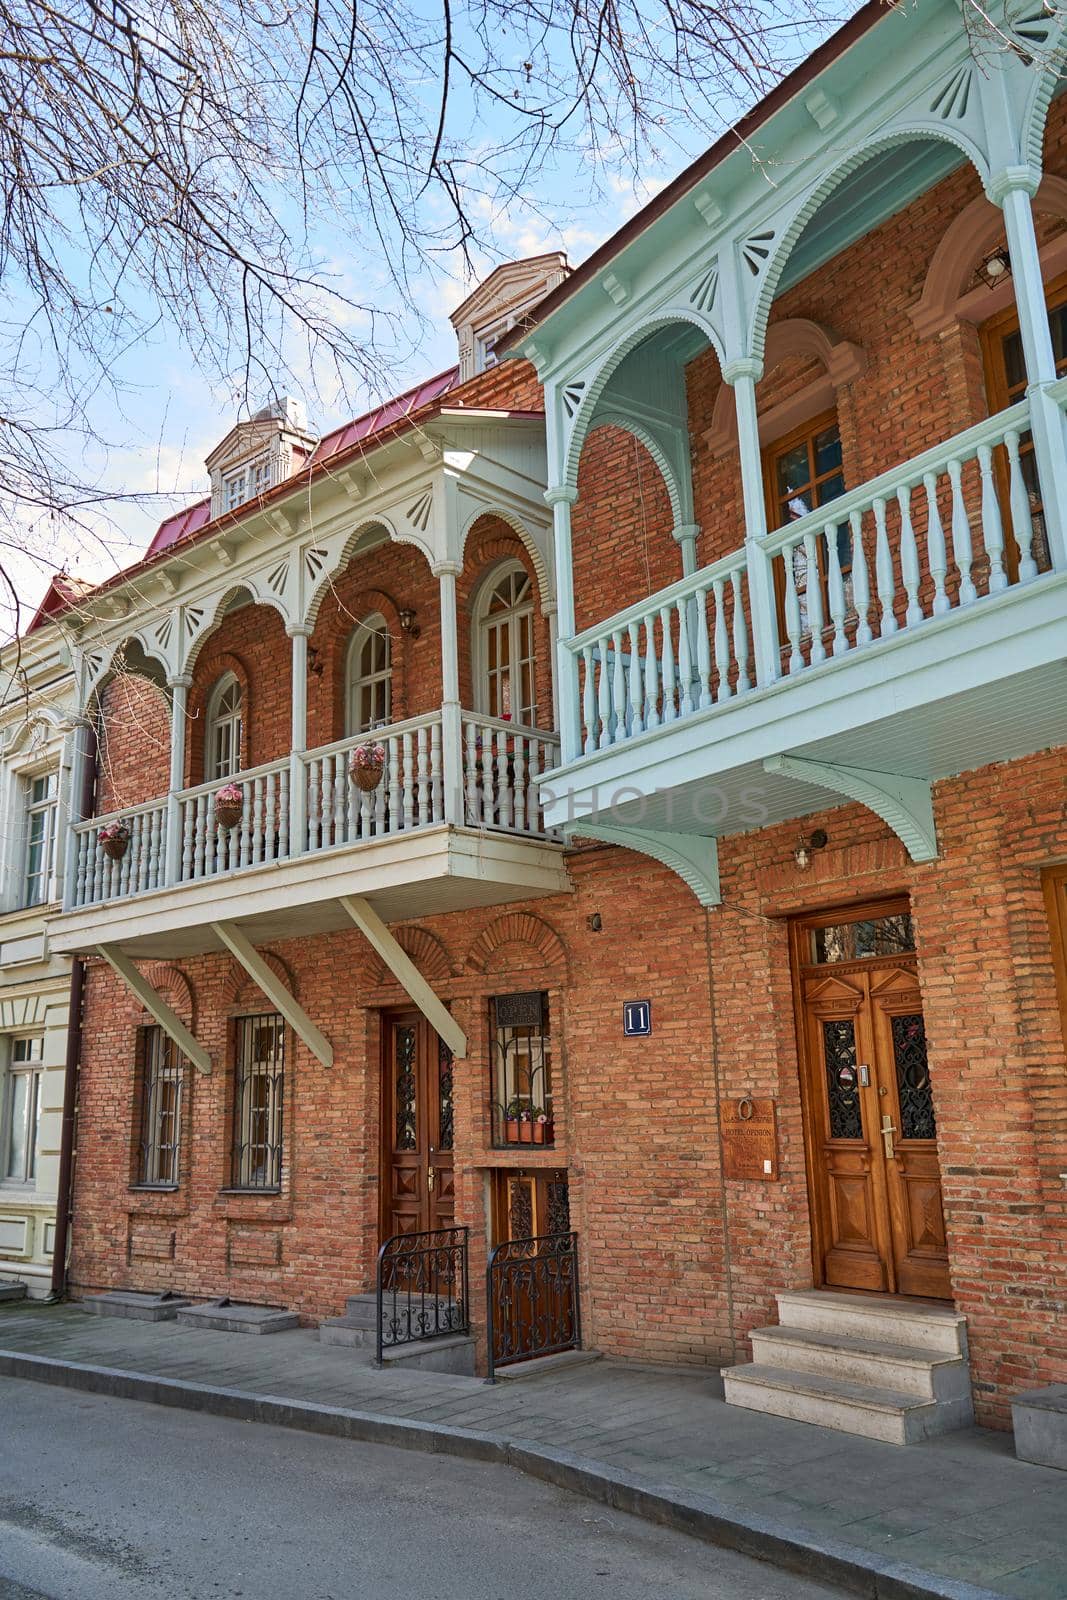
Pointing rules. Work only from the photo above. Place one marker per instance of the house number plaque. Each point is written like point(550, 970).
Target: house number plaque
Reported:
point(749, 1139)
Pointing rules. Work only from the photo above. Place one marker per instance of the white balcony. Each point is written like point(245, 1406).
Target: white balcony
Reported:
point(932, 640)
point(308, 835)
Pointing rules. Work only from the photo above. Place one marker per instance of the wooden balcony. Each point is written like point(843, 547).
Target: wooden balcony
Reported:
point(308, 835)
point(911, 629)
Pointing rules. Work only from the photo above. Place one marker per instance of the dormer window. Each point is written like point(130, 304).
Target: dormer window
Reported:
point(497, 305)
point(245, 485)
point(257, 454)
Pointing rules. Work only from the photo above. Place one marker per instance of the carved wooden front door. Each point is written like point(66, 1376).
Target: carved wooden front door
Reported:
point(418, 1178)
point(878, 1221)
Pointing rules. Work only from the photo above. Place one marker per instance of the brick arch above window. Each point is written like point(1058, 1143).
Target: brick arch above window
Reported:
point(518, 928)
point(426, 950)
point(837, 362)
point(240, 993)
point(176, 989)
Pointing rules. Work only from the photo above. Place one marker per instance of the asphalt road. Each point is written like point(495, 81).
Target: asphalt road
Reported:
point(113, 1500)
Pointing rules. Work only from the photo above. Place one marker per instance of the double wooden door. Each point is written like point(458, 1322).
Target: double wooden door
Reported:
point(878, 1221)
point(418, 1177)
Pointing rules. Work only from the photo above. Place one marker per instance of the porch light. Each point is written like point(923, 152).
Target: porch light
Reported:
point(407, 623)
point(807, 845)
point(995, 267)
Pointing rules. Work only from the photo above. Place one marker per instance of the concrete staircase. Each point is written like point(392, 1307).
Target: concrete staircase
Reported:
point(452, 1353)
point(877, 1365)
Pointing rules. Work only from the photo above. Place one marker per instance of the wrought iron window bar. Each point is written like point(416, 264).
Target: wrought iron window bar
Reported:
point(422, 1288)
point(259, 1098)
point(521, 1077)
point(532, 1299)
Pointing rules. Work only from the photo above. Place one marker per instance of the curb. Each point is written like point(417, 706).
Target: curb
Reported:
point(854, 1570)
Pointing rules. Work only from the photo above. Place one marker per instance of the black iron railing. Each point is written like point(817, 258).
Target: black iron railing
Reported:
point(422, 1287)
point(532, 1299)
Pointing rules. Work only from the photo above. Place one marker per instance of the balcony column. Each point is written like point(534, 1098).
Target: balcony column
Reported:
point(298, 739)
point(561, 498)
point(742, 376)
point(1012, 190)
point(451, 719)
point(685, 536)
point(81, 754)
point(552, 614)
point(179, 687)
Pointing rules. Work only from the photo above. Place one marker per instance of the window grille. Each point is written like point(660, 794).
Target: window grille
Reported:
point(521, 1070)
point(22, 1109)
point(162, 1076)
point(258, 1099)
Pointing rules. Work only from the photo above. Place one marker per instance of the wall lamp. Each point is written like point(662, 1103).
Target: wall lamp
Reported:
point(995, 268)
point(807, 845)
point(407, 622)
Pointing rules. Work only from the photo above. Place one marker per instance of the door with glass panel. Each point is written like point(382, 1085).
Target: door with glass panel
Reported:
point(802, 472)
point(418, 1185)
point(870, 1125)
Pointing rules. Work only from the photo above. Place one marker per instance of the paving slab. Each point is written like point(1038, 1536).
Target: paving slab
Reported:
point(884, 1521)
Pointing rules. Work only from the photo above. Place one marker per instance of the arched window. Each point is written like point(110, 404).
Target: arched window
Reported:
point(222, 732)
point(369, 680)
point(504, 646)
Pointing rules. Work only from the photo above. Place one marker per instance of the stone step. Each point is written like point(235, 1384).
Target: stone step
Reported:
point(360, 1309)
point(346, 1331)
point(884, 1319)
point(1039, 1418)
point(925, 1374)
point(134, 1305)
point(454, 1354)
point(227, 1316)
point(886, 1414)
point(11, 1291)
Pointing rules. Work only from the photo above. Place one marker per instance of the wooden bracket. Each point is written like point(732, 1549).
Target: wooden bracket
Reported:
point(156, 1006)
point(406, 972)
point(279, 996)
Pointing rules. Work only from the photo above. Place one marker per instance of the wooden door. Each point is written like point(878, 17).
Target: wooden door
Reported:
point(418, 1176)
point(533, 1273)
point(875, 1181)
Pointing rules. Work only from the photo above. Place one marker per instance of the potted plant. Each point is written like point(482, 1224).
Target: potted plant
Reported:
point(229, 804)
point(527, 1124)
point(367, 765)
point(115, 839)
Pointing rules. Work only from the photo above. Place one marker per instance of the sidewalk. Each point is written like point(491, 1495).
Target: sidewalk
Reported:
point(955, 1517)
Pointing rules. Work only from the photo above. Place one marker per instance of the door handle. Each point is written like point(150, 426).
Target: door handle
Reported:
point(430, 1176)
point(888, 1130)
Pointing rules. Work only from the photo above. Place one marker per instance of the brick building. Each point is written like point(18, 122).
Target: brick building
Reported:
point(711, 901)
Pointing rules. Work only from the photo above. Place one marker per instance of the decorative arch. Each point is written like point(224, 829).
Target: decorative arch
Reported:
point(821, 191)
point(963, 245)
point(588, 393)
point(236, 980)
point(542, 574)
point(842, 362)
point(518, 927)
point(226, 662)
point(426, 950)
point(345, 555)
point(175, 987)
point(1053, 49)
point(212, 618)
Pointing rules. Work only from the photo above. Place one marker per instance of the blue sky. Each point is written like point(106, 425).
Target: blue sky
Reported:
point(168, 415)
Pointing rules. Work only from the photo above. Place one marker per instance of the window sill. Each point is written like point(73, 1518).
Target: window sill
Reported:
point(18, 1186)
point(154, 1188)
point(253, 1194)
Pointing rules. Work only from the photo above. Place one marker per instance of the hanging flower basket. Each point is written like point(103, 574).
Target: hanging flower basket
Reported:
point(229, 805)
point(115, 840)
point(367, 765)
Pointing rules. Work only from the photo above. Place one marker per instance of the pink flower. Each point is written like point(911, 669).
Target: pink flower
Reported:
point(114, 830)
point(230, 794)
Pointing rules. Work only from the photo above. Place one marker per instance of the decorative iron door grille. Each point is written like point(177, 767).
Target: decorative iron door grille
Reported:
point(532, 1299)
point(422, 1287)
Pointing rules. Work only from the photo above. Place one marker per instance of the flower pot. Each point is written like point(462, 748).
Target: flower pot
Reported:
point(517, 1131)
point(367, 765)
point(115, 848)
point(228, 813)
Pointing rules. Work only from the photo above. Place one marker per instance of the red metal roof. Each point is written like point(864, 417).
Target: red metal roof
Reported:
point(63, 592)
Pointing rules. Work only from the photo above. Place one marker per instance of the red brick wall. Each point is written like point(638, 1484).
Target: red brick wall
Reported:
point(133, 750)
point(670, 1275)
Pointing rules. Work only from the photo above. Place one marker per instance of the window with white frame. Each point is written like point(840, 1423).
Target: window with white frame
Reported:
point(22, 1108)
point(162, 1074)
point(42, 796)
point(222, 733)
point(504, 646)
point(259, 1080)
point(369, 677)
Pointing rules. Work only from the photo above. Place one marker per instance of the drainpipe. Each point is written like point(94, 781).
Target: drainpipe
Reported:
point(72, 1065)
point(65, 1186)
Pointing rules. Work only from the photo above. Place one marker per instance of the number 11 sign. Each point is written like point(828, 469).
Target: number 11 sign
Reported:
point(637, 1018)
